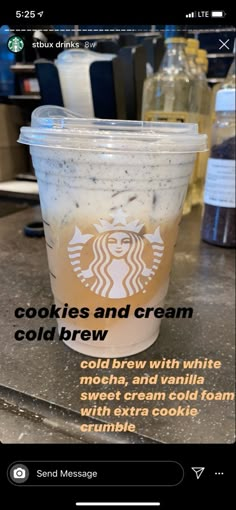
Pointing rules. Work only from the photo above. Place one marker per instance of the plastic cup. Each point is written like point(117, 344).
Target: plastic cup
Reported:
point(111, 195)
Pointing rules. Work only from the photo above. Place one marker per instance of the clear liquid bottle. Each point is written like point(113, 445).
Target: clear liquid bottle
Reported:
point(191, 52)
point(203, 98)
point(167, 95)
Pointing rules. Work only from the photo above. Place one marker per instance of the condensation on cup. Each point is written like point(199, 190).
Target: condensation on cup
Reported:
point(111, 195)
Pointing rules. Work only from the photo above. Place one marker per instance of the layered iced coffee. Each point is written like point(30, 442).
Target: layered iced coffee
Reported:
point(111, 195)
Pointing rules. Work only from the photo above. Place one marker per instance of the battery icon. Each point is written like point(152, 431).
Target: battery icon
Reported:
point(217, 14)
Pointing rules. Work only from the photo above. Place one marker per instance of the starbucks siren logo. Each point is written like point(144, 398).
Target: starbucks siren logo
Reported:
point(15, 44)
point(119, 257)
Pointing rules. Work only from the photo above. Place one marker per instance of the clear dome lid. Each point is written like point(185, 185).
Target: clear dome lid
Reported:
point(54, 126)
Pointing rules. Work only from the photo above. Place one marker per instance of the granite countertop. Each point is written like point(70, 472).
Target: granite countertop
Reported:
point(39, 381)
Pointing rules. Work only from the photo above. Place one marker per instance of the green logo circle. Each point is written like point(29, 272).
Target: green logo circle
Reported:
point(15, 44)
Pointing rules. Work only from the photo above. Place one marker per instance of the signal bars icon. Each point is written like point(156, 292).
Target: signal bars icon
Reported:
point(190, 15)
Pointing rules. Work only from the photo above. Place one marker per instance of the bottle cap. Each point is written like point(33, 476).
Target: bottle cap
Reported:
point(225, 100)
point(202, 53)
point(193, 43)
point(200, 60)
point(190, 51)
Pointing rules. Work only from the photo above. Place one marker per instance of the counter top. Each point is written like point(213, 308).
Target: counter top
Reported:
point(41, 379)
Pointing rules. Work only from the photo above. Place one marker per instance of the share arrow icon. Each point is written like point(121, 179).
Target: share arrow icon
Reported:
point(198, 471)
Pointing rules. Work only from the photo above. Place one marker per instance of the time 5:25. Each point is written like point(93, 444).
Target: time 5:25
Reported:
point(28, 14)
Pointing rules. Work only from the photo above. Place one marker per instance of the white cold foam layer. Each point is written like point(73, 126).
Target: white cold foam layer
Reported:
point(92, 184)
